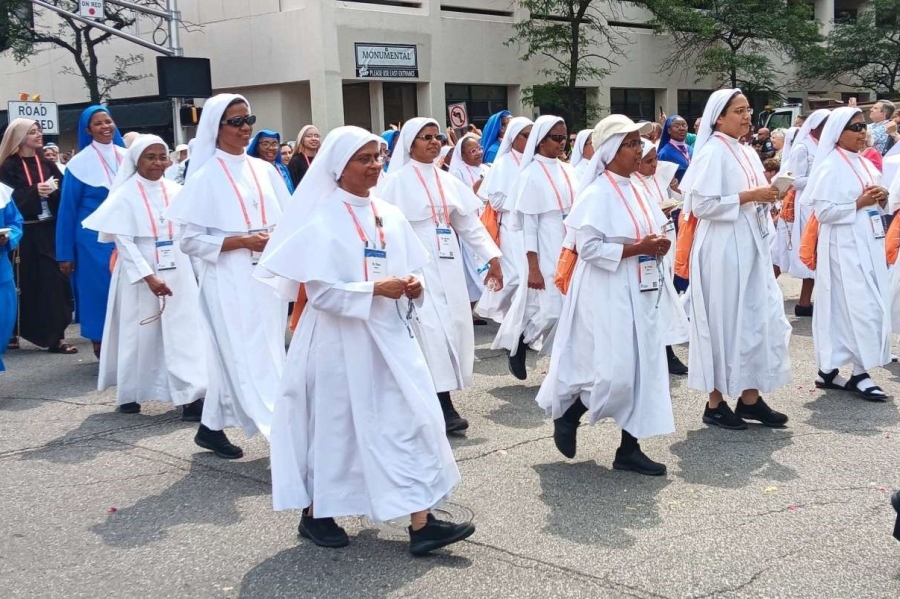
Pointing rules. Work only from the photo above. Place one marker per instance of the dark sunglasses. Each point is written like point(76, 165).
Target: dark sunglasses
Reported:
point(856, 127)
point(429, 137)
point(240, 121)
point(559, 137)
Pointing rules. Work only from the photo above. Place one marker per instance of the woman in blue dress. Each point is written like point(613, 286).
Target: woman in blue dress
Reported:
point(10, 233)
point(89, 175)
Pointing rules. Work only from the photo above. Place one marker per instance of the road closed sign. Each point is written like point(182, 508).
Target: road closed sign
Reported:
point(45, 113)
point(459, 118)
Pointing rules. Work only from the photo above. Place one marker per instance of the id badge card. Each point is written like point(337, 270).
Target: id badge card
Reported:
point(877, 224)
point(648, 273)
point(165, 255)
point(446, 243)
point(45, 210)
point(762, 220)
point(669, 227)
point(376, 264)
point(255, 256)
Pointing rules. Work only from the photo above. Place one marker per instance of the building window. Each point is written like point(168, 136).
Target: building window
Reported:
point(691, 103)
point(637, 104)
point(481, 100)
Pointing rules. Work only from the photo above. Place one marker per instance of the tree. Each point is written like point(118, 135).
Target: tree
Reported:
point(25, 37)
point(735, 41)
point(861, 53)
point(570, 36)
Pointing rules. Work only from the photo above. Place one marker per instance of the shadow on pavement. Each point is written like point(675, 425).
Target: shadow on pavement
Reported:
point(369, 567)
point(138, 427)
point(730, 459)
point(846, 412)
point(594, 505)
point(201, 496)
point(802, 325)
point(520, 411)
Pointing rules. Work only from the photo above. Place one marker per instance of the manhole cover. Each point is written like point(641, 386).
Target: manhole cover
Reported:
point(396, 529)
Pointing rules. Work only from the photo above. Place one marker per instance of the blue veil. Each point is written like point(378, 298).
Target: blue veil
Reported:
point(253, 150)
point(84, 138)
point(390, 137)
point(490, 138)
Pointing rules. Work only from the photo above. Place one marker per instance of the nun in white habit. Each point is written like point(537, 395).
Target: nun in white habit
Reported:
point(497, 184)
point(357, 430)
point(228, 207)
point(151, 346)
point(782, 240)
point(542, 197)
point(800, 161)
point(608, 358)
point(466, 165)
point(582, 152)
point(437, 205)
point(653, 179)
point(852, 320)
point(739, 333)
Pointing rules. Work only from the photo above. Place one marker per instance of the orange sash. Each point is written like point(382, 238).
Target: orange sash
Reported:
point(808, 242)
point(683, 244)
point(299, 305)
point(564, 269)
point(490, 219)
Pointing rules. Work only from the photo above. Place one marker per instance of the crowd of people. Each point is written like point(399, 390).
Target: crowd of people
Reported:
point(601, 248)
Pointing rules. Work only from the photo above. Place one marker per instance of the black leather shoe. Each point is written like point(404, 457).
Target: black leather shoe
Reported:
point(637, 461)
point(192, 411)
point(676, 366)
point(762, 413)
point(516, 363)
point(803, 311)
point(454, 422)
point(895, 501)
point(218, 443)
point(324, 532)
point(565, 429)
point(436, 534)
point(129, 408)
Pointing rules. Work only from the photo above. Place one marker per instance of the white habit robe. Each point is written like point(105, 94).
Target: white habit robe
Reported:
point(444, 327)
point(165, 359)
point(245, 318)
point(739, 333)
point(852, 319)
point(540, 211)
point(801, 160)
point(654, 191)
point(496, 188)
point(470, 175)
point(608, 348)
point(357, 430)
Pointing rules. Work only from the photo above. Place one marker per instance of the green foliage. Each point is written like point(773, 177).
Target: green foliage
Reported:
point(576, 45)
point(862, 54)
point(734, 40)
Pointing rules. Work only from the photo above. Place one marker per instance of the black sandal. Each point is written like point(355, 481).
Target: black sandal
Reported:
point(63, 348)
point(873, 393)
point(828, 379)
point(13, 343)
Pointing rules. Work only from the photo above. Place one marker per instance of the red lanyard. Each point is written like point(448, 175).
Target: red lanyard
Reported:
point(434, 215)
point(150, 210)
point(556, 190)
point(28, 174)
point(362, 233)
point(109, 173)
point(471, 177)
point(858, 178)
point(662, 198)
point(516, 158)
point(307, 160)
point(685, 153)
point(637, 229)
point(237, 192)
point(740, 164)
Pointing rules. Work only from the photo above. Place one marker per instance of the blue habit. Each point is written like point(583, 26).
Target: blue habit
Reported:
point(490, 139)
point(673, 151)
point(9, 218)
point(76, 244)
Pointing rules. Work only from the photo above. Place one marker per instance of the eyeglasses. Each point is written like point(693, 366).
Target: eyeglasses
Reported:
point(158, 315)
point(558, 137)
point(240, 121)
point(742, 111)
point(634, 144)
point(476, 150)
point(369, 159)
point(155, 158)
point(430, 137)
point(856, 127)
point(267, 144)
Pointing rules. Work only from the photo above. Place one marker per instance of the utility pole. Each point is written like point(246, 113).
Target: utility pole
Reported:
point(171, 15)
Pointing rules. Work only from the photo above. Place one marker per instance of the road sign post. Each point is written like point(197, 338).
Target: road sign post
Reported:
point(459, 117)
point(45, 113)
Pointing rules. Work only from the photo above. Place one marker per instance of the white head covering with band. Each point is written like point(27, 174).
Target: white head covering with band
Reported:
point(408, 133)
point(204, 144)
point(803, 137)
point(578, 147)
point(458, 166)
point(502, 175)
point(124, 211)
point(789, 135)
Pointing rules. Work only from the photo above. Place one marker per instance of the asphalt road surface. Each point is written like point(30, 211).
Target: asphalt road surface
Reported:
point(99, 504)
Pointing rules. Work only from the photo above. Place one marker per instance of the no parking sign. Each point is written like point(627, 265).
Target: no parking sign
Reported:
point(459, 117)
